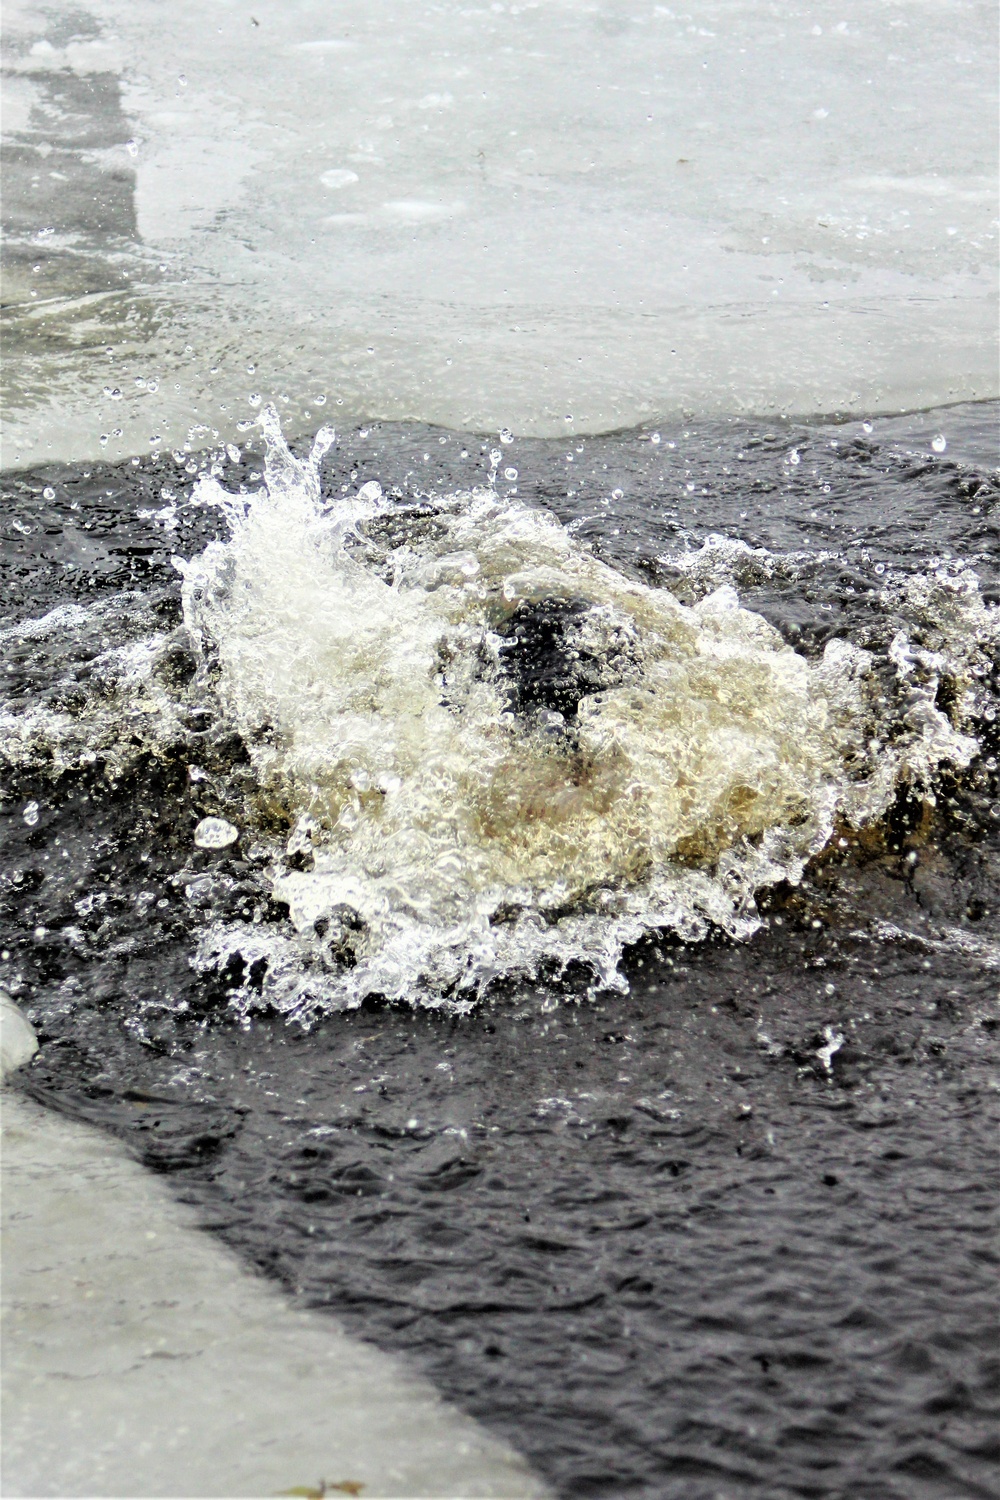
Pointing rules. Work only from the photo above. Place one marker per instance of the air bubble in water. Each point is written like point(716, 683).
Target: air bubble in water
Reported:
point(49, 493)
point(939, 443)
point(30, 813)
point(510, 474)
point(215, 833)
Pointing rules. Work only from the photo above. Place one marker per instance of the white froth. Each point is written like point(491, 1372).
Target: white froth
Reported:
point(436, 838)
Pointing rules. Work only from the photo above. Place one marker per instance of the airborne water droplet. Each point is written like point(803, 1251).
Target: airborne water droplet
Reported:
point(30, 813)
point(49, 493)
point(506, 436)
point(939, 443)
point(215, 833)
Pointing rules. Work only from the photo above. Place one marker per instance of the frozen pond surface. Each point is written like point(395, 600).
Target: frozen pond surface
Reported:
point(140, 1359)
point(556, 217)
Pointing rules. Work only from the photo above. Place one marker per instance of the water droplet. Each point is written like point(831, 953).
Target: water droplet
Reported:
point(617, 494)
point(30, 813)
point(182, 80)
point(794, 457)
point(495, 456)
point(506, 436)
point(48, 492)
point(510, 474)
point(132, 147)
point(254, 398)
point(319, 401)
point(215, 833)
point(567, 419)
point(655, 438)
point(103, 439)
point(867, 427)
point(939, 443)
point(152, 385)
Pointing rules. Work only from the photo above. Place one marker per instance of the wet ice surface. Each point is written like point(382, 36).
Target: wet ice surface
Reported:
point(478, 215)
point(725, 1235)
point(140, 1360)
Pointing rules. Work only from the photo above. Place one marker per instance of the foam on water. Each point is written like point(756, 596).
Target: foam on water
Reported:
point(478, 751)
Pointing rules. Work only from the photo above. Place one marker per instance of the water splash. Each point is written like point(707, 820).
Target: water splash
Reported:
point(480, 752)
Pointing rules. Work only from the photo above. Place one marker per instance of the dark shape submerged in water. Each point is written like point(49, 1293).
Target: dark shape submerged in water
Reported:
point(545, 663)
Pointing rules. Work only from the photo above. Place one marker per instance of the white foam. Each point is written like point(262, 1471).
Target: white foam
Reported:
point(447, 840)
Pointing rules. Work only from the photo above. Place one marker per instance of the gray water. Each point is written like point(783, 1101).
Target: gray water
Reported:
point(724, 1232)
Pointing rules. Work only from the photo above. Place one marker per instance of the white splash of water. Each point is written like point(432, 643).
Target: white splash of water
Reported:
point(428, 834)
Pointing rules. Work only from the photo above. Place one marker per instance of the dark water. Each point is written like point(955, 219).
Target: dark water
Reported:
point(731, 1235)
